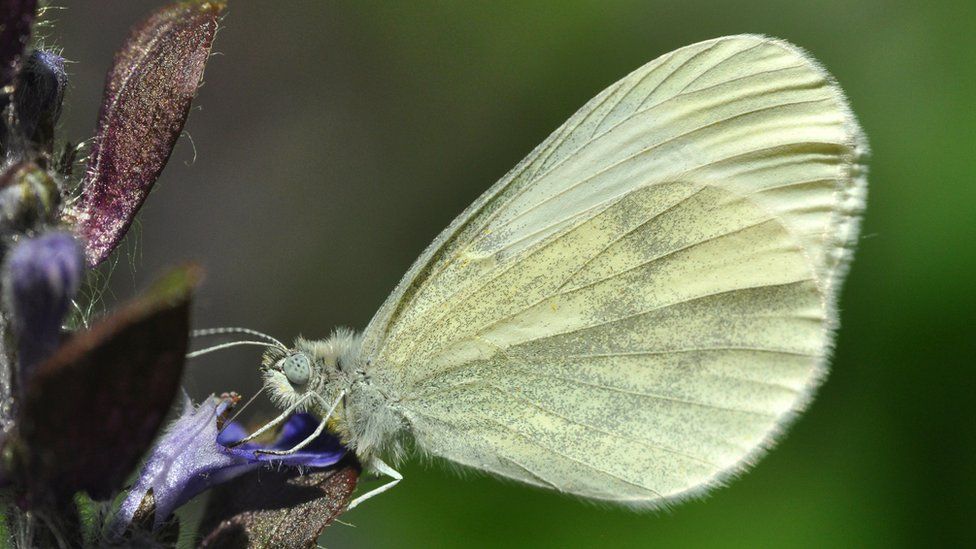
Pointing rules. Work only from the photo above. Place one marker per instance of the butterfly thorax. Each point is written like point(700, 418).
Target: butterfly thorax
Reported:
point(365, 416)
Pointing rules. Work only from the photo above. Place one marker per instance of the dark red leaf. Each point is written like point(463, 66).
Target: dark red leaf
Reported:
point(16, 17)
point(145, 104)
point(92, 409)
point(268, 508)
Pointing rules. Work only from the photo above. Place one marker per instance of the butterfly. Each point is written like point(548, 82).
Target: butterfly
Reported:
point(637, 310)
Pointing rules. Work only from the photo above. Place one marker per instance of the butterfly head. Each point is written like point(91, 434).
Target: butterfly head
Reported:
point(289, 374)
point(311, 366)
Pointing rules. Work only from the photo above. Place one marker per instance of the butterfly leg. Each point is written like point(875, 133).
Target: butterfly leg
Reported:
point(377, 465)
point(271, 423)
point(308, 440)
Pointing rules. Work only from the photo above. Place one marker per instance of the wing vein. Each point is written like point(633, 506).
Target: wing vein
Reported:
point(643, 152)
point(798, 183)
point(577, 460)
point(660, 308)
point(678, 69)
point(646, 395)
point(521, 310)
point(545, 448)
point(620, 237)
point(532, 473)
point(649, 352)
point(650, 261)
point(594, 137)
point(642, 79)
point(724, 83)
point(666, 255)
point(586, 143)
point(641, 441)
point(717, 64)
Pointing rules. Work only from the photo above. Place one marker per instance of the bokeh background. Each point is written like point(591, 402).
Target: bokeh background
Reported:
point(333, 141)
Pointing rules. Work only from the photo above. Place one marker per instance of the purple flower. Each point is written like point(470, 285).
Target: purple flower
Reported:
point(43, 276)
point(192, 457)
point(322, 452)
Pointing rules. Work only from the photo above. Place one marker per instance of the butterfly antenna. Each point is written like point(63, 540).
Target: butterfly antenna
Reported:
point(236, 330)
point(195, 354)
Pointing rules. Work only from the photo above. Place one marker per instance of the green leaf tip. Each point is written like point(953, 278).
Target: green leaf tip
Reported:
point(176, 285)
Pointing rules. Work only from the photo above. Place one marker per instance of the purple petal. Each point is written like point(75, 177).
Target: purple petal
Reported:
point(192, 457)
point(145, 104)
point(185, 462)
point(324, 451)
point(43, 276)
point(16, 17)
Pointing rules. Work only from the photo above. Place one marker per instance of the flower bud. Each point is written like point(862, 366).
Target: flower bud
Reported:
point(38, 97)
point(43, 275)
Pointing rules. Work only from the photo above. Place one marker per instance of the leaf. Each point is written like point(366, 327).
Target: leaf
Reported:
point(268, 508)
point(146, 101)
point(16, 17)
point(92, 409)
point(88, 519)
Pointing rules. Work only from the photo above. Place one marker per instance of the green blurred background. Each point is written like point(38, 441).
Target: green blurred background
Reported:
point(335, 140)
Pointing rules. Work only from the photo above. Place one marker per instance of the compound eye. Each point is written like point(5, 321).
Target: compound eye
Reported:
point(297, 368)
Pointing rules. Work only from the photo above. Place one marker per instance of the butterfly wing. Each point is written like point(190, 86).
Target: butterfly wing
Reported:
point(637, 308)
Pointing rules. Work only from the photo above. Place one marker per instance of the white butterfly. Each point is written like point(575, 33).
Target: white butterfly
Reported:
point(637, 310)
